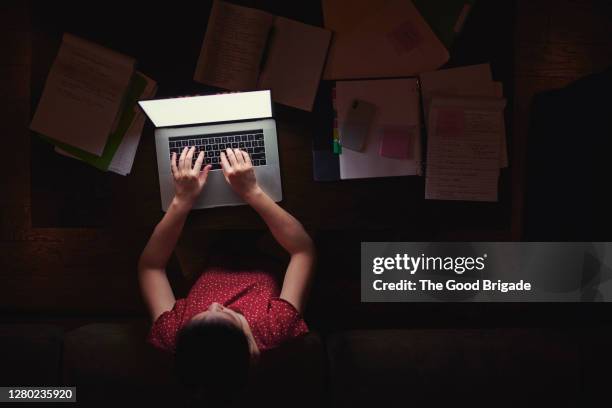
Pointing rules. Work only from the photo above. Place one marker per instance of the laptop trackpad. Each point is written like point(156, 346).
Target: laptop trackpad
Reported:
point(218, 191)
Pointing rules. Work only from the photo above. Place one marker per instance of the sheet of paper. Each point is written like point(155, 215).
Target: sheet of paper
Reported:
point(124, 157)
point(392, 41)
point(463, 149)
point(468, 80)
point(397, 102)
point(346, 15)
point(233, 47)
point(473, 80)
point(83, 94)
point(294, 62)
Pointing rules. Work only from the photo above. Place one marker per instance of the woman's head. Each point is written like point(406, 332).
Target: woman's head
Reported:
point(213, 354)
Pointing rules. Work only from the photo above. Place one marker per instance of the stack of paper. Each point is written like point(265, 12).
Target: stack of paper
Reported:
point(124, 157)
point(88, 106)
point(466, 139)
point(120, 149)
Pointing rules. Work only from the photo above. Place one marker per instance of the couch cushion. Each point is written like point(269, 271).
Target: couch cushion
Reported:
point(471, 367)
point(30, 354)
point(109, 363)
point(292, 375)
point(112, 362)
point(596, 362)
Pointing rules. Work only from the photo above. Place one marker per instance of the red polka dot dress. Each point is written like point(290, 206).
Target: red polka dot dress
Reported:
point(253, 293)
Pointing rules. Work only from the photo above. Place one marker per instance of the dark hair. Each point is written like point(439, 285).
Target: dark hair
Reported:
point(212, 361)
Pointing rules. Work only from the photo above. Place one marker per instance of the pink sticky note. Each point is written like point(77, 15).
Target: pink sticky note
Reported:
point(404, 38)
point(450, 122)
point(397, 142)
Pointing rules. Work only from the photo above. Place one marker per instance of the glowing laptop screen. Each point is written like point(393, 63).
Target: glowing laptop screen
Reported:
point(209, 108)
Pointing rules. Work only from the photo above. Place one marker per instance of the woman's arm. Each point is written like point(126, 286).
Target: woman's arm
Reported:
point(284, 227)
point(290, 235)
point(188, 183)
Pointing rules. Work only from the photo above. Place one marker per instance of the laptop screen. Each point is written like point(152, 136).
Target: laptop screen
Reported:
point(208, 108)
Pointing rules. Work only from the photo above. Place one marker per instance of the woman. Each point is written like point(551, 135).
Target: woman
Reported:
point(229, 316)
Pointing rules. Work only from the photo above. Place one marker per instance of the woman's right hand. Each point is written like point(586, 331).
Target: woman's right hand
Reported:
point(188, 181)
point(239, 173)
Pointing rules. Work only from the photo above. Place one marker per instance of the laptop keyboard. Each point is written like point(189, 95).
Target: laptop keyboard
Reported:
point(212, 144)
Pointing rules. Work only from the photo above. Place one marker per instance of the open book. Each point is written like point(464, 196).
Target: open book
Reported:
point(246, 49)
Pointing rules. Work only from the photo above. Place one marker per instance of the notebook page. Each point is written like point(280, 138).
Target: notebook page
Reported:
point(463, 149)
point(233, 46)
point(294, 63)
point(83, 94)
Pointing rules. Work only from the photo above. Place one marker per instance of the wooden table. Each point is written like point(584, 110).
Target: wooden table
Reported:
point(166, 43)
point(90, 272)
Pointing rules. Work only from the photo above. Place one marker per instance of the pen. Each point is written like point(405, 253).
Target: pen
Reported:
point(336, 146)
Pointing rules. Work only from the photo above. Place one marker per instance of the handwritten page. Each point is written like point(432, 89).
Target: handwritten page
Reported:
point(83, 94)
point(463, 149)
point(233, 47)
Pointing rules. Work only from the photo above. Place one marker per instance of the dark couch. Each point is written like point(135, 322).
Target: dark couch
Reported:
point(110, 364)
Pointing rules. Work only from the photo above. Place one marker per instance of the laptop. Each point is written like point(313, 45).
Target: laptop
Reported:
point(213, 123)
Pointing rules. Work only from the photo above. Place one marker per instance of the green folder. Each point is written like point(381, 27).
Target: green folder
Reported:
point(442, 16)
point(133, 93)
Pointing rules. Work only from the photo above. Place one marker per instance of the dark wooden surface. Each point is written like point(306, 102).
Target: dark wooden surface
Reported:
point(66, 193)
point(91, 271)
